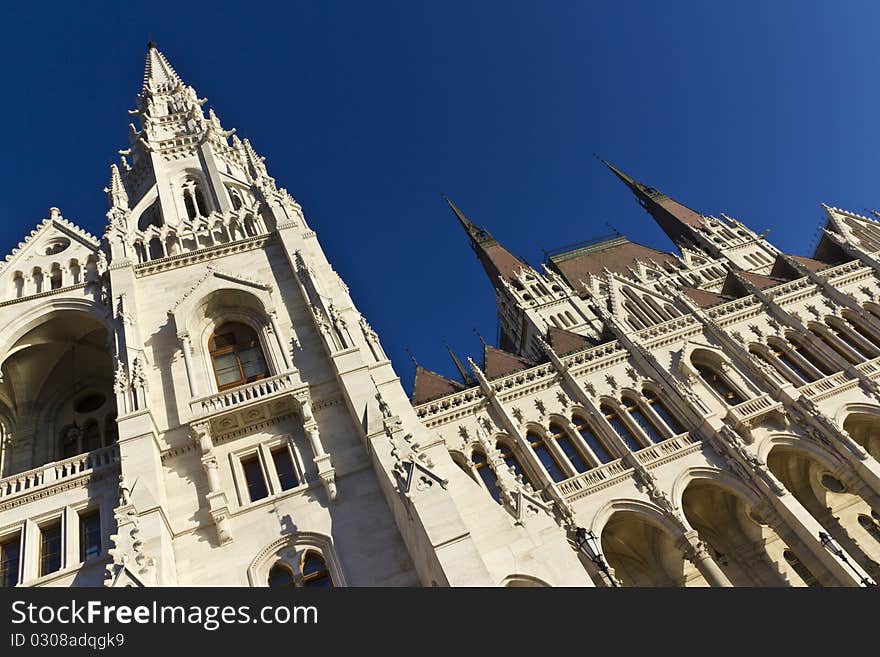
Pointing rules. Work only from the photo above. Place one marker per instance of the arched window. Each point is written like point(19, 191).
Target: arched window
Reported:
point(837, 344)
point(808, 355)
point(91, 438)
point(858, 340)
point(592, 441)
point(55, 276)
point(620, 428)
point(200, 201)
point(719, 384)
point(795, 372)
point(798, 567)
point(663, 413)
point(281, 577)
point(568, 448)
point(481, 465)
point(235, 198)
point(545, 456)
point(236, 355)
point(645, 424)
point(857, 326)
point(156, 250)
point(870, 525)
point(512, 462)
point(314, 571)
point(190, 206)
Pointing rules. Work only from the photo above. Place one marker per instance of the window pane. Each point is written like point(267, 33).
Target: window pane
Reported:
point(646, 426)
point(50, 549)
point(597, 447)
point(487, 474)
point(548, 461)
point(253, 474)
point(315, 572)
point(89, 535)
point(667, 417)
point(9, 559)
point(569, 450)
point(252, 362)
point(624, 433)
point(280, 576)
point(226, 367)
point(284, 467)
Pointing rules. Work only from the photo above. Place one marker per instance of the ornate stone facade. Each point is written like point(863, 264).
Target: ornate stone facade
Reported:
point(194, 399)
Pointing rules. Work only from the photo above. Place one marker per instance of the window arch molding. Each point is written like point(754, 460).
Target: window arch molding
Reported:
point(788, 362)
point(540, 443)
point(288, 552)
point(512, 453)
point(703, 360)
point(582, 421)
point(253, 321)
point(629, 434)
point(857, 332)
point(826, 333)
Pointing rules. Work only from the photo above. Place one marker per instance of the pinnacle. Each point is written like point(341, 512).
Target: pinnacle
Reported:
point(158, 72)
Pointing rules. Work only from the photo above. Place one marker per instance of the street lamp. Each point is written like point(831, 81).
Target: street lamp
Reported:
point(588, 543)
point(831, 544)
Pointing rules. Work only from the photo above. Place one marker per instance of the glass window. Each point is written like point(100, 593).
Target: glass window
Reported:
point(790, 363)
point(487, 475)
point(91, 436)
point(870, 525)
point(719, 385)
point(808, 356)
point(280, 576)
point(10, 552)
point(284, 468)
point(660, 409)
point(644, 423)
point(621, 429)
point(89, 535)
point(237, 355)
point(253, 475)
point(50, 549)
point(315, 573)
point(568, 448)
point(590, 438)
point(546, 457)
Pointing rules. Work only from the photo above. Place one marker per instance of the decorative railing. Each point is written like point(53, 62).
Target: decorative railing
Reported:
point(870, 368)
point(245, 394)
point(753, 410)
point(830, 385)
point(583, 483)
point(59, 471)
point(671, 447)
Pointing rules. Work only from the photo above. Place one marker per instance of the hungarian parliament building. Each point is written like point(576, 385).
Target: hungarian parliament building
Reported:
point(194, 399)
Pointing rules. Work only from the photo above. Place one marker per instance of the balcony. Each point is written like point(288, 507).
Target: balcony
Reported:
point(870, 368)
point(668, 450)
point(749, 413)
point(593, 480)
point(80, 466)
point(829, 386)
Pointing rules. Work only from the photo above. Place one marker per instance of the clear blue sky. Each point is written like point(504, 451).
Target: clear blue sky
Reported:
point(369, 111)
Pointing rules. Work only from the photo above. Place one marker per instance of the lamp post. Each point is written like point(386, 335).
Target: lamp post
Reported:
point(836, 550)
point(588, 543)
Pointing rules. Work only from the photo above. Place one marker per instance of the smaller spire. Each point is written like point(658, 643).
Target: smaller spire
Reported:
point(116, 191)
point(496, 260)
point(677, 220)
point(158, 72)
point(462, 370)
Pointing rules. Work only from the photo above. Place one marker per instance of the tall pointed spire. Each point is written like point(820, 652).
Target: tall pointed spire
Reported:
point(116, 191)
point(496, 260)
point(677, 220)
point(158, 73)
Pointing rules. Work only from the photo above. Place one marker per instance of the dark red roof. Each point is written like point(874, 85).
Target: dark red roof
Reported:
point(565, 342)
point(429, 385)
point(499, 363)
point(704, 298)
point(616, 255)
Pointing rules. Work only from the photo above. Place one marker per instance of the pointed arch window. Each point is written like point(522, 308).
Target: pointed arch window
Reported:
point(591, 440)
point(486, 474)
point(719, 384)
point(801, 374)
point(870, 525)
point(631, 407)
point(675, 427)
point(559, 435)
point(620, 428)
point(867, 335)
point(315, 572)
point(236, 355)
point(545, 456)
point(280, 577)
point(807, 354)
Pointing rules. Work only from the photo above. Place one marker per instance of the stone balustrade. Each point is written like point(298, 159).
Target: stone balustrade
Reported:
point(828, 386)
point(246, 394)
point(753, 410)
point(51, 473)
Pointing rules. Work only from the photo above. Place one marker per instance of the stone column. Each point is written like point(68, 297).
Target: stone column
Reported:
point(186, 348)
point(326, 472)
point(695, 551)
point(273, 323)
point(216, 497)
